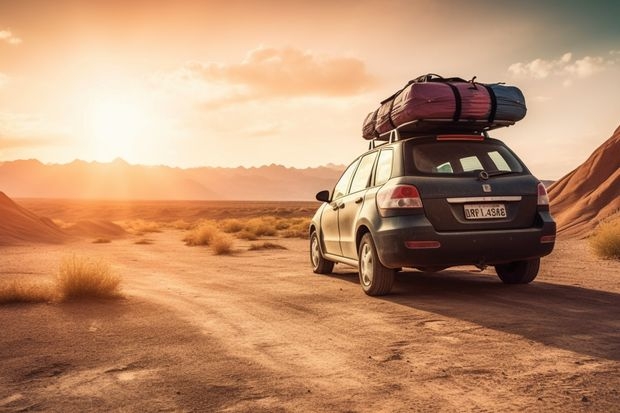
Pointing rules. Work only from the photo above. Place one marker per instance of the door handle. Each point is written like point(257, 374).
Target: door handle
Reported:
point(337, 206)
point(359, 200)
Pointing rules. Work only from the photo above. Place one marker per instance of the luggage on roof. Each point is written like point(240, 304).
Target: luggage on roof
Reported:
point(431, 103)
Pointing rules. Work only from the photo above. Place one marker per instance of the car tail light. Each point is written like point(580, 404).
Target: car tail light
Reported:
point(547, 239)
point(422, 245)
point(543, 198)
point(398, 197)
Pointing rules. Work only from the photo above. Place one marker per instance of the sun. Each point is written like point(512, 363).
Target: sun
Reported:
point(116, 127)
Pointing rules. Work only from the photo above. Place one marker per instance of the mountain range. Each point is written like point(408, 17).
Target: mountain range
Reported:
point(120, 180)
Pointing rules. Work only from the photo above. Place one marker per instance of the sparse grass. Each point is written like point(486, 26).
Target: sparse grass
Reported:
point(102, 241)
point(80, 277)
point(606, 239)
point(26, 291)
point(266, 246)
point(202, 234)
point(222, 244)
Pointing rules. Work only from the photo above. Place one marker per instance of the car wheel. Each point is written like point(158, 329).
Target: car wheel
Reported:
point(518, 272)
point(319, 264)
point(374, 277)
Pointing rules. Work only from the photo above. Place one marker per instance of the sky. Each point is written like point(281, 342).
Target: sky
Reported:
point(251, 83)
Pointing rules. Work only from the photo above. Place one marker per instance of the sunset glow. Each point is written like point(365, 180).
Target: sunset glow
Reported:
point(198, 83)
point(116, 127)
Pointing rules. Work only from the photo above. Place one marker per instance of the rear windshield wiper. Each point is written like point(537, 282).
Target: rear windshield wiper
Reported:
point(484, 175)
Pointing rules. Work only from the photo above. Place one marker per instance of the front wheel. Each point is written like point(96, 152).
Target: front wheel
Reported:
point(374, 277)
point(319, 264)
point(518, 272)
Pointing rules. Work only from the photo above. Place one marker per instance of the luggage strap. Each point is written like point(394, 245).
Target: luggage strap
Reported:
point(457, 100)
point(493, 102)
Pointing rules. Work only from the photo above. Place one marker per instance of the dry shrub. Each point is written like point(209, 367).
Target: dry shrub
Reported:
point(298, 228)
point(282, 224)
point(203, 234)
point(25, 291)
point(102, 241)
point(144, 241)
point(231, 225)
point(606, 239)
point(247, 235)
point(140, 226)
point(180, 224)
point(80, 277)
point(262, 226)
point(222, 244)
point(266, 246)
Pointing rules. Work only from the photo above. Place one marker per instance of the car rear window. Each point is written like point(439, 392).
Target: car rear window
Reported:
point(457, 158)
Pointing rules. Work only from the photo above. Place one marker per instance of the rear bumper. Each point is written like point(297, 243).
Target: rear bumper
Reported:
point(448, 249)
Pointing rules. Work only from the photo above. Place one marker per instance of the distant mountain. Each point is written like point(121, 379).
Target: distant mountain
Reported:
point(120, 180)
point(590, 193)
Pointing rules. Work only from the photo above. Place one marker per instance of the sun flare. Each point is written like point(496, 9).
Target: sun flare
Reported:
point(116, 126)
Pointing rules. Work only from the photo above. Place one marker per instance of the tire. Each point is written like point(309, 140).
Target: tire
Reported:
point(374, 277)
point(319, 264)
point(518, 272)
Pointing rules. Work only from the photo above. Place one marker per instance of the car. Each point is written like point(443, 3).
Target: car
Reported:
point(431, 202)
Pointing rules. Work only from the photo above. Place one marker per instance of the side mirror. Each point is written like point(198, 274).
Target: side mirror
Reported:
point(323, 196)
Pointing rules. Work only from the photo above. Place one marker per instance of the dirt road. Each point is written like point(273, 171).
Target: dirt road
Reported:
point(258, 331)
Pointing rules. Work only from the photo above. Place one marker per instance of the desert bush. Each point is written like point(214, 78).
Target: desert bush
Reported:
point(282, 224)
point(266, 246)
point(606, 239)
point(231, 225)
point(25, 291)
point(80, 277)
point(202, 234)
point(140, 226)
point(180, 224)
point(222, 244)
point(298, 228)
point(247, 235)
point(102, 241)
point(261, 226)
point(144, 241)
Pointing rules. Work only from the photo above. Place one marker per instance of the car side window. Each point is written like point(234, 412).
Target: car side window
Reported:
point(362, 175)
point(341, 187)
point(384, 167)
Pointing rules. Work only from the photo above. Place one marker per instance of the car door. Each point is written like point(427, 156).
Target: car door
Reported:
point(352, 203)
point(329, 219)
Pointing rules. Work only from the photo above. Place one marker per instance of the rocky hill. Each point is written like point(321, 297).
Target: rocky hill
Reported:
point(590, 193)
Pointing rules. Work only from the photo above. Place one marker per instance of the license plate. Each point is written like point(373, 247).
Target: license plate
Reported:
point(485, 211)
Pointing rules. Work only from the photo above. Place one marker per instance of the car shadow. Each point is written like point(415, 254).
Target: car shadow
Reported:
point(568, 317)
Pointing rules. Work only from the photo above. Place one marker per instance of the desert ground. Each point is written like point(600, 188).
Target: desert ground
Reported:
point(258, 331)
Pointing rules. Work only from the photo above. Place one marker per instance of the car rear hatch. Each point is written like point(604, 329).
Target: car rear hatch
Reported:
point(471, 185)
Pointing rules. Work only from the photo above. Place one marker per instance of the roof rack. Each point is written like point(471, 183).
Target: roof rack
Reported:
point(423, 127)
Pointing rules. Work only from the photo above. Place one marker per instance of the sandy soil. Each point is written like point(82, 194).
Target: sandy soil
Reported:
point(258, 331)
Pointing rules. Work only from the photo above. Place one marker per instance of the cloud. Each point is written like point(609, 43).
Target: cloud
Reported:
point(9, 37)
point(564, 67)
point(288, 72)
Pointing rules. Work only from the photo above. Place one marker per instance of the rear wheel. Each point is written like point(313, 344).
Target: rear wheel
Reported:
point(518, 272)
point(319, 264)
point(374, 277)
